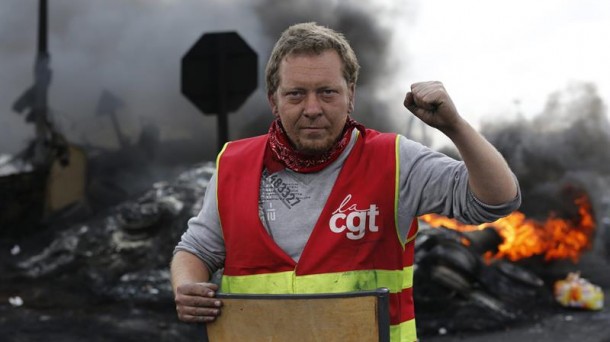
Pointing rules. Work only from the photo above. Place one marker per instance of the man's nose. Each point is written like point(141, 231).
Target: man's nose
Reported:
point(312, 105)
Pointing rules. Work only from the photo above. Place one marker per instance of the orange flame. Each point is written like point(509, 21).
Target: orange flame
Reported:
point(555, 238)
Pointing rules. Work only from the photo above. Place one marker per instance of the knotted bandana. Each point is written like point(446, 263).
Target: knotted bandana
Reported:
point(280, 153)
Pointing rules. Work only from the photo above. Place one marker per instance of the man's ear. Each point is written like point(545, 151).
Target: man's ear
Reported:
point(273, 104)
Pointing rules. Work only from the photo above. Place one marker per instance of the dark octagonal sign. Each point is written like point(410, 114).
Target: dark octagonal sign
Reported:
point(219, 72)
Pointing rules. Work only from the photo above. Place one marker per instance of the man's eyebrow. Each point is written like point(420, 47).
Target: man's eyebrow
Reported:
point(292, 89)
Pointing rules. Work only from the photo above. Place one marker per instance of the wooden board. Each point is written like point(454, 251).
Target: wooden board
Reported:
point(297, 319)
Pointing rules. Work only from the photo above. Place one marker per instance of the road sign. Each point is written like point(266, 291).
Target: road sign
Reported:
point(219, 72)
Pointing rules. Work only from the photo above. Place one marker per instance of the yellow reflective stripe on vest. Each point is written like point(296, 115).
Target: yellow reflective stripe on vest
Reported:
point(267, 283)
point(403, 332)
point(403, 240)
point(395, 281)
point(288, 282)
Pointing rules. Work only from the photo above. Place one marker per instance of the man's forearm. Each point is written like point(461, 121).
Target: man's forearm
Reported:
point(490, 178)
point(187, 268)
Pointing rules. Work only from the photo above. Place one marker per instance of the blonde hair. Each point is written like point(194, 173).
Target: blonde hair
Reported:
point(310, 38)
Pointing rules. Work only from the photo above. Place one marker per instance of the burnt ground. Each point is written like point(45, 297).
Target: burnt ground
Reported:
point(557, 324)
point(68, 305)
point(114, 322)
point(120, 322)
point(104, 277)
point(561, 326)
point(58, 308)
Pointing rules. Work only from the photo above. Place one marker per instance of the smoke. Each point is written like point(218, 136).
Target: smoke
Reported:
point(367, 26)
point(562, 149)
point(133, 50)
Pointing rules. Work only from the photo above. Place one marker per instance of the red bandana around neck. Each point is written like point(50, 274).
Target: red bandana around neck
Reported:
point(280, 153)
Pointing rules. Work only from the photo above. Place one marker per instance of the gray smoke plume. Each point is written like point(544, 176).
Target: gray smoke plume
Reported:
point(133, 50)
point(561, 150)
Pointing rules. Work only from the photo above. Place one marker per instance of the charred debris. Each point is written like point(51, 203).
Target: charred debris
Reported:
point(458, 290)
point(54, 181)
point(123, 255)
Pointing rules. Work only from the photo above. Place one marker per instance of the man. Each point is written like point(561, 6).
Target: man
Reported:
point(321, 204)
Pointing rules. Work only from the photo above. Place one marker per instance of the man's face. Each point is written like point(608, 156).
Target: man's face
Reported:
point(312, 100)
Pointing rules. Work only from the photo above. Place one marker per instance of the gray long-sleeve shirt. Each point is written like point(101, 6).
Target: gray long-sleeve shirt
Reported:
point(430, 182)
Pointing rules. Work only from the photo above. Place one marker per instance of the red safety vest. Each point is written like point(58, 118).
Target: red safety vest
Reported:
point(354, 245)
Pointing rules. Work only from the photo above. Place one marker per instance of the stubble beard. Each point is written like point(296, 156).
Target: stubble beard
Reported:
point(315, 147)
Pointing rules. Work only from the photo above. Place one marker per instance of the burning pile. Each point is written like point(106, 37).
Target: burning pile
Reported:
point(491, 272)
point(555, 238)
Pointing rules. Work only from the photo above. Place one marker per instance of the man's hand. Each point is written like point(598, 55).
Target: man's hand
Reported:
point(195, 302)
point(430, 102)
point(193, 294)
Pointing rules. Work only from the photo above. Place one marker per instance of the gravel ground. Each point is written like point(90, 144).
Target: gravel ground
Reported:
point(562, 324)
point(59, 308)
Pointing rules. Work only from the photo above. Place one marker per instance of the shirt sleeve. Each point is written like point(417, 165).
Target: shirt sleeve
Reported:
point(203, 237)
point(433, 183)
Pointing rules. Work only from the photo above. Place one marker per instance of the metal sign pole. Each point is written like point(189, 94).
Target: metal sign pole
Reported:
point(223, 120)
point(42, 79)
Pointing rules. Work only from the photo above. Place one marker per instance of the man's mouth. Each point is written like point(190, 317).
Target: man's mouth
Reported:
point(312, 129)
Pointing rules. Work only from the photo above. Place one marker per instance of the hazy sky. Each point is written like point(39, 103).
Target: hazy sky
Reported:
point(500, 57)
